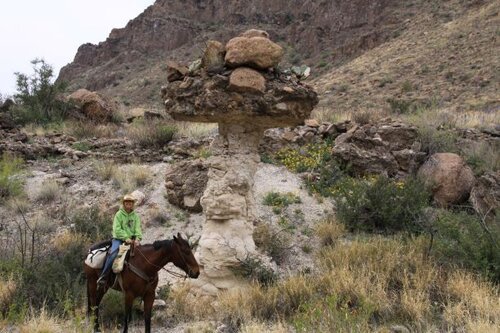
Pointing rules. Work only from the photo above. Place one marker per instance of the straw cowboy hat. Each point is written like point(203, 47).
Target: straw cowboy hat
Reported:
point(129, 197)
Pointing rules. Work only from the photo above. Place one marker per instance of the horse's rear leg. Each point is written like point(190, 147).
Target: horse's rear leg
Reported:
point(148, 306)
point(94, 298)
point(129, 300)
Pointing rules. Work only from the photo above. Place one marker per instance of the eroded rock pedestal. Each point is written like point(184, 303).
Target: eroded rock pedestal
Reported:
point(244, 97)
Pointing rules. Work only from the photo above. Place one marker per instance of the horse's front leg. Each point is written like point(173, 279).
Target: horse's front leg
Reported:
point(94, 298)
point(148, 306)
point(129, 300)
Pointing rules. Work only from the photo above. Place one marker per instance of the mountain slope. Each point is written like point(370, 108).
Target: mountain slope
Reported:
point(447, 59)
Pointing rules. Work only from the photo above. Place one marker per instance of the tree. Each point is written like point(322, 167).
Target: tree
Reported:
point(37, 96)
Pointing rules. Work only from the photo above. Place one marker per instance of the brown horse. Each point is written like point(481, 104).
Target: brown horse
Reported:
point(140, 277)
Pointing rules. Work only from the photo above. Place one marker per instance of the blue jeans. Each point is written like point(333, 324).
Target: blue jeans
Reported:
point(115, 245)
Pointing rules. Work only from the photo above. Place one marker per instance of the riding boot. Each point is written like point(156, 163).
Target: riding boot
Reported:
point(103, 278)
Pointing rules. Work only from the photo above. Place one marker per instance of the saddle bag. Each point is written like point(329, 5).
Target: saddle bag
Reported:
point(120, 258)
point(96, 257)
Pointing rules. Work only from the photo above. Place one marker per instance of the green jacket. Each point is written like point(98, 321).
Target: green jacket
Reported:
point(126, 225)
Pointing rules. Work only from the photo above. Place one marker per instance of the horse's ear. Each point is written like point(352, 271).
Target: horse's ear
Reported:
point(179, 235)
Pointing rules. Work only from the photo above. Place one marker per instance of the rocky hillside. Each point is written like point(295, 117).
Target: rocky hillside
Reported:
point(130, 64)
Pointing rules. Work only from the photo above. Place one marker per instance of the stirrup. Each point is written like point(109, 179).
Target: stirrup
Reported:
point(101, 281)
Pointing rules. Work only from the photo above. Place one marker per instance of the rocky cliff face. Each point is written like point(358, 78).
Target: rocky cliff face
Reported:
point(130, 63)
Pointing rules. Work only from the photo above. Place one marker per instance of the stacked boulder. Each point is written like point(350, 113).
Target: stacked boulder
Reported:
point(236, 82)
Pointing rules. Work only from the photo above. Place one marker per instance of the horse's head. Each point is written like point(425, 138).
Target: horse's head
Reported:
point(184, 258)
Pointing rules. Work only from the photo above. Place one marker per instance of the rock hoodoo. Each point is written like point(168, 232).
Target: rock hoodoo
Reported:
point(245, 96)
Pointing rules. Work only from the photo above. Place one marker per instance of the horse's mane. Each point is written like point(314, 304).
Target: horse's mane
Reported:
point(161, 243)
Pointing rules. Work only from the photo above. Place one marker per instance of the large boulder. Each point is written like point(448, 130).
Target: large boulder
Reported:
point(485, 195)
point(258, 52)
point(94, 106)
point(185, 183)
point(387, 147)
point(449, 178)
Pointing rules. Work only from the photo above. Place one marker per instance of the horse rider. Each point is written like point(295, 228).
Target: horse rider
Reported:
point(126, 228)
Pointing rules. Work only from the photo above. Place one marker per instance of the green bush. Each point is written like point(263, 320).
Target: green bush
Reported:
point(280, 200)
point(380, 204)
point(434, 140)
point(466, 240)
point(10, 183)
point(152, 133)
point(253, 269)
point(92, 223)
point(54, 281)
point(38, 98)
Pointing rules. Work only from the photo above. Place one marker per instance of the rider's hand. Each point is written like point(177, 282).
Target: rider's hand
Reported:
point(137, 242)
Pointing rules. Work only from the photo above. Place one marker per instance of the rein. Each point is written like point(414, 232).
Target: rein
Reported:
point(166, 270)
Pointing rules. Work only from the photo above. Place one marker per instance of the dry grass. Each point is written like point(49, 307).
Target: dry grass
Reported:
point(195, 130)
point(105, 170)
point(151, 133)
point(130, 177)
point(42, 322)
point(329, 232)
point(7, 289)
point(386, 279)
point(259, 327)
point(471, 303)
point(184, 306)
point(65, 239)
point(88, 129)
point(18, 205)
point(49, 191)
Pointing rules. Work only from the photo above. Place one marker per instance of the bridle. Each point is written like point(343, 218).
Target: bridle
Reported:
point(178, 275)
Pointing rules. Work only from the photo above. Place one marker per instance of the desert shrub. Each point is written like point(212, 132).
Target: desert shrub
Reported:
point(129, 178)
point(280, 200)
point(435, 140)
point(87, 129)
point(49, 191)
point(323, 172)
point(380, 204)
point(329, 231)
point(465, 240)
point(53, 280)
point(81, 146)
point(92, 222)
point(401, 106)
point(10, 183)
point(275, 243)
point(112, 309)
point(482, 157)
point(253, 269)
point(105, 170)
point(152, 133)
point(38, 97)
point(306, 158)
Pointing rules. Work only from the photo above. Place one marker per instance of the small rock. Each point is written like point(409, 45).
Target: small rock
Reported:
point(139, 197)
point(247, 80)
point(311, 123)
point(175, 71)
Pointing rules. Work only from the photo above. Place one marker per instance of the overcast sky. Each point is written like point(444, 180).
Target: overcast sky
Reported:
point(54, 29)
